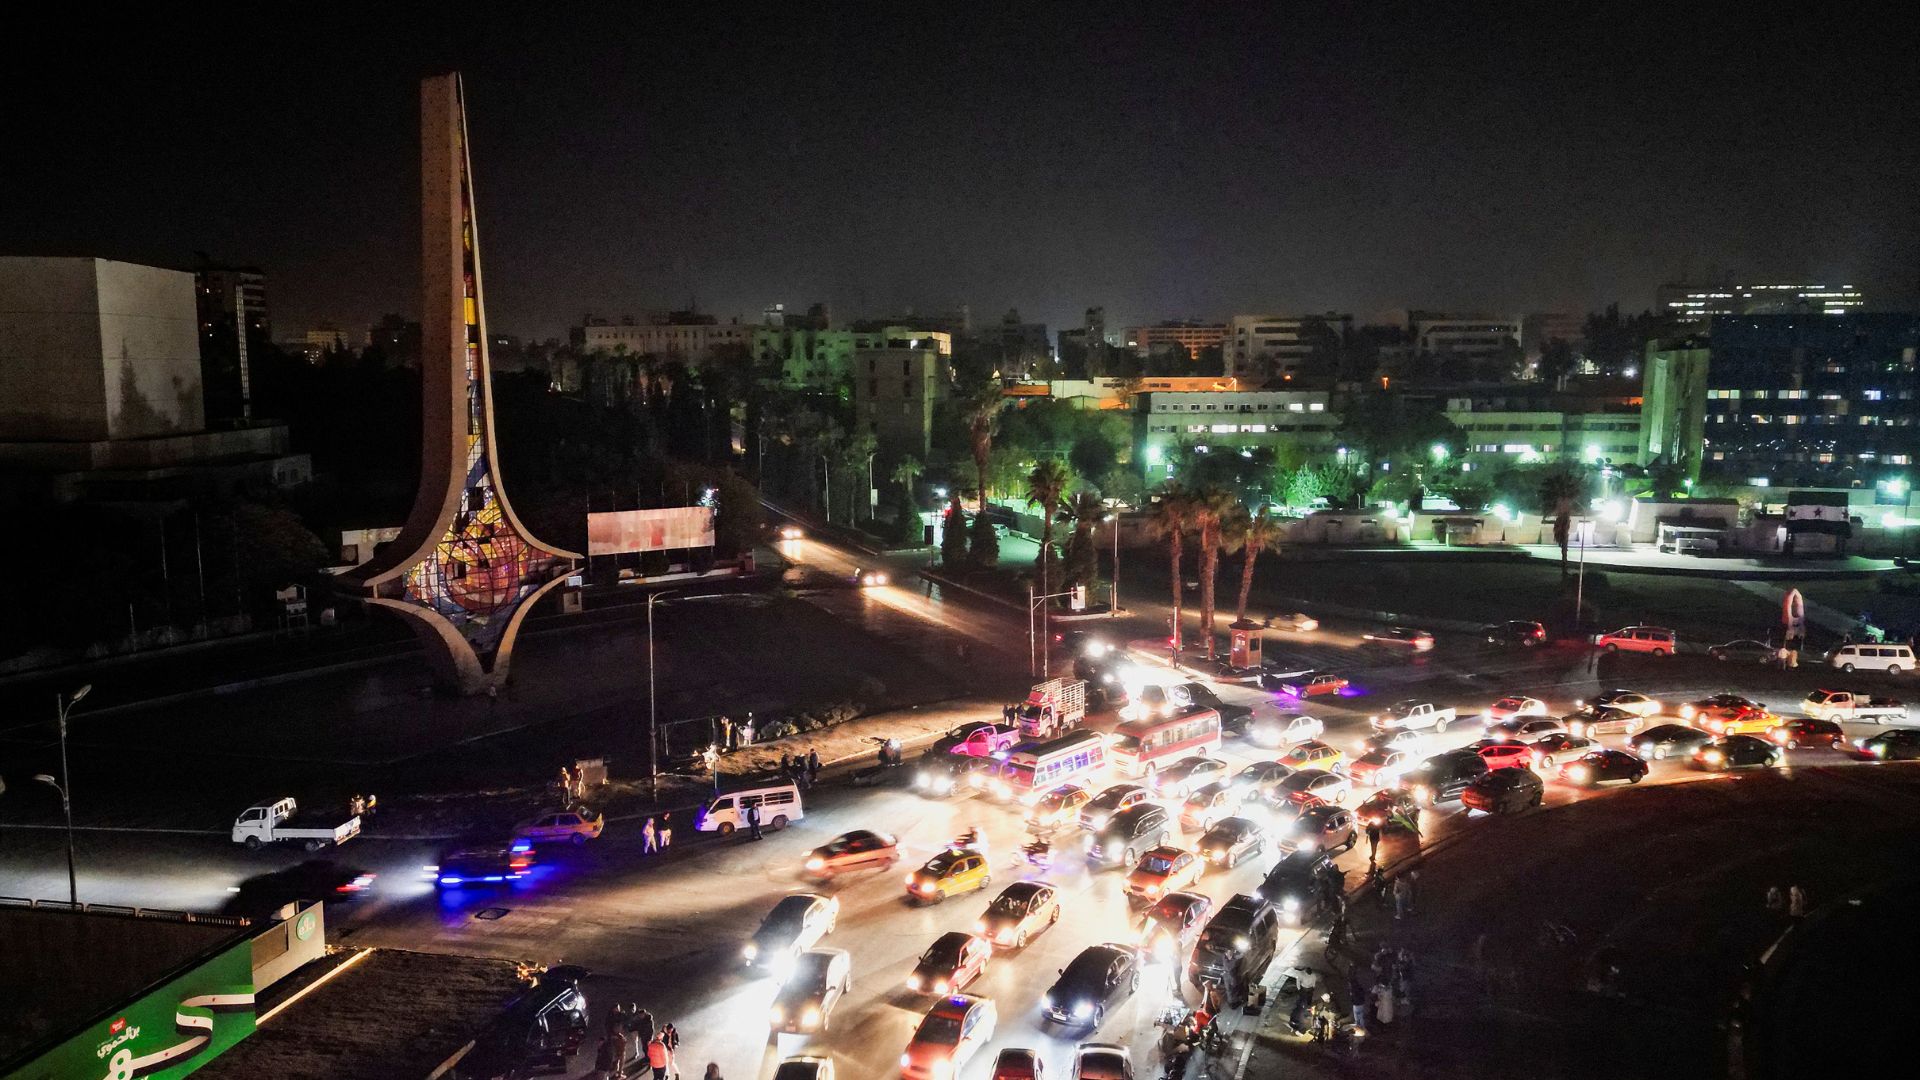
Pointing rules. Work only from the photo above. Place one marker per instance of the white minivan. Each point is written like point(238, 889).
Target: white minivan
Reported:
point(1890, 658)
point(779, 804)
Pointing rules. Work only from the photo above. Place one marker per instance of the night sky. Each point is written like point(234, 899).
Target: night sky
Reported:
point(1190, 163)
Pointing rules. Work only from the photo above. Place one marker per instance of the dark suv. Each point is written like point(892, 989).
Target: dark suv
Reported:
point(1443, 777)
point(1293, 886)
point(1129, 833)
point(1241, 938)
point(537, 1032)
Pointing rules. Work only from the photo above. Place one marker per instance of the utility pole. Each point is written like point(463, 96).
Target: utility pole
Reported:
point(63, 707)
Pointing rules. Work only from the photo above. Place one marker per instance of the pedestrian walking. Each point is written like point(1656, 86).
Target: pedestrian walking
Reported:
point(671, 1036)
point(1383, 1002)
point(666, 830)
point(813, 766)
point(753, 821)
point(726, 735)
point(615, 1019)
point(1402, 897)
point(1359, 988)
point(648, 844)
point(659, 1058)
point(640, 1025)
point(1373, 844)
point(1776, 901)
point(746, 730)
point(1796, 903)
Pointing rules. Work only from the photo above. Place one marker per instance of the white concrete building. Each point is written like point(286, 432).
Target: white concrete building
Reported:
point(1266, 346)
point(1472, 335)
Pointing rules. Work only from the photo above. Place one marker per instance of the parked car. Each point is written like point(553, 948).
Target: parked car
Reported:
point(978, 739)
point(1101, 977)
point(1744, 650)
point(1504, 791)
point(1889, 657)
point(536, 1033)
point(1794, 734)
point(1652, 640)
point(821, 977)
point(575, 825)
point(1601, 766)
point(1737, 752)
point(1515, 632)
point(1669, 740)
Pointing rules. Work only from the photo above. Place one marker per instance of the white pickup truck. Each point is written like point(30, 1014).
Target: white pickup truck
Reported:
point(281, 821)
point(1847, 705)
point(1412, 716)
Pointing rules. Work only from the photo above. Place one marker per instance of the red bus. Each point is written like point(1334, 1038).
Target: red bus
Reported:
point(1033, 769)
point(1140, 747)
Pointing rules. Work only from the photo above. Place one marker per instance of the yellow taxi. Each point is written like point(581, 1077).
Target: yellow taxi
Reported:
point(1058, 807)
point(1163, 870)
point(575, 825)
point(950, 873)
point(1314, 754)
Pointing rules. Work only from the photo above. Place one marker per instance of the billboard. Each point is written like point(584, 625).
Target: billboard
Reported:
point(650, 530)
point(167, 1033)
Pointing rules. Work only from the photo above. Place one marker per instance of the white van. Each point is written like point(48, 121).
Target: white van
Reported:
point(1890, 658)
point(778, 803)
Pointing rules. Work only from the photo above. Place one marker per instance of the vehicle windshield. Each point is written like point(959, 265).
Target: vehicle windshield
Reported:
point(1508, 703)
point(944, 952)
point(787, 913)
point(1018, 773)
point(1378, 757)
point(942, 862)
point(1052, 800)
point(1299, 781)
point(1224, 928)
point(1172, 908)
point(941, 1030)
point(1156, 864)
point(1008, 905)
point(1089, 967)
point(1128, 743)
point(810, 970)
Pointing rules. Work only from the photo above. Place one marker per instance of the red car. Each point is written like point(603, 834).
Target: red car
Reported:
point(1507, 756)
point(1313, 685)
point(950, 963)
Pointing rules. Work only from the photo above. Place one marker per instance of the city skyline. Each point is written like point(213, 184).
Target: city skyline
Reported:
point(998, 162)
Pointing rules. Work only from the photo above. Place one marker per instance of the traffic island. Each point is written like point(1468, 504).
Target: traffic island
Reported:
point(1613, 937)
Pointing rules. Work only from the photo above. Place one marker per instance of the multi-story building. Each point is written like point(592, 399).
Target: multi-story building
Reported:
point(1476, 337)
point(1191, 336)
point(1227, 420)
point(808, 358)
point(100, 391)
point(231, 302)
point(1269, 346)
point(1020, 349)
point(1697, 303)
point(1511, 433)
point(895, 385)
point(687, 336)
point(1812, 399)
point(1083, 351)
point(399, 339)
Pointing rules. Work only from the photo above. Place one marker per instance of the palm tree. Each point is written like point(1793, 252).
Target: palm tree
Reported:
point(907, 472)
point(1559, 490)
point(1046, 486)
point(980, 409)
point(1253, 535)
point(1209, 508)
point(1081, 565)
point(1171, 519)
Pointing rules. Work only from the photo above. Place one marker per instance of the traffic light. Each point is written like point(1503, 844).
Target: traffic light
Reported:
point(1078, 599)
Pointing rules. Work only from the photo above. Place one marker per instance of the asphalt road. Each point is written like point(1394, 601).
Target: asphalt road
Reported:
point(670, 928)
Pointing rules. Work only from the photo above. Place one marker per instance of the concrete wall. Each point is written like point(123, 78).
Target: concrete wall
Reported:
point(94, 349)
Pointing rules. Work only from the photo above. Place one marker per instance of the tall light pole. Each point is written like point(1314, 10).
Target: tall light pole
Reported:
point(1580, 590)
point(1113, 598)
point(63, 705)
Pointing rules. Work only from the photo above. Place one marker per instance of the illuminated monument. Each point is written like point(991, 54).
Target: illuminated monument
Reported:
point(464, 570)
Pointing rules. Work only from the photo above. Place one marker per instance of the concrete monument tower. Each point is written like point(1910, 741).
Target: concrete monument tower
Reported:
point(464, 571)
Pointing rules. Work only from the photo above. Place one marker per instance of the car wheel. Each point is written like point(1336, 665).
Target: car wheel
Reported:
point(1099, 1016)
point(253, 843)
point(1440, 726)
point(1546, 762)
point(1659, 753)
point(1127, 856)
point(726, 828)
point(1793, 744)
point(1020, 942)
point(1837, 743)
point(779, 822)
point(1539, 797)
point(1611, 647)
point(1893, 669)
point(579, 838)
point(1848, 668)
point(1635, 778)
point(986, 880)
point(1353, 838)
point(1659, 652)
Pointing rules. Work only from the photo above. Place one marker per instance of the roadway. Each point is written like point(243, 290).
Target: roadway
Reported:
point(666, 930)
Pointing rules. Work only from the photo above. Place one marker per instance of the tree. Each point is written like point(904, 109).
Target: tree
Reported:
point(906, 510)
point(1082, 563)
point(1251, 535)
point(1093, 454)
point(980, 408)
point(1046, 486)
point(1209, 508)
point(1171, 519)
point(953, 535)
point(1556, 360)
point(1560, 489)
point(986, 542)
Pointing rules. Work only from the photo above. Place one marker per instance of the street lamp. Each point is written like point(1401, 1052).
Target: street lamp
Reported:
point(1439, 453)
point(64, 706)
point(1113, 594)
point(1584, 529)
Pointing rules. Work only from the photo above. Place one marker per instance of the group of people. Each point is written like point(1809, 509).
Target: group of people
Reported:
point(1381, 990)
point(735, 734)
point(803, 770)
point(656, 837)
point(632, 1046)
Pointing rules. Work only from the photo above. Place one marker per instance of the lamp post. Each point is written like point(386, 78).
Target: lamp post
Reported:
point(1113, 594)
point(1045, 649)
point(63, 705)
point(1585, 529)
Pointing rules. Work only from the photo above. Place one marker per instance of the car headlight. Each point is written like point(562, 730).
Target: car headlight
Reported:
point(811, 1017)
point(1242, 943)
point(913, 982)
point(1082, 1009)
point(750, 951)
point(816, 863)
point(1047, 1001)
point(926, 886)
point(1713, 757)
point(1290, 903)
point(1152, 890)
point(980, 927)
point(777, 1013)
point(906, 1060)
point(940, 986)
